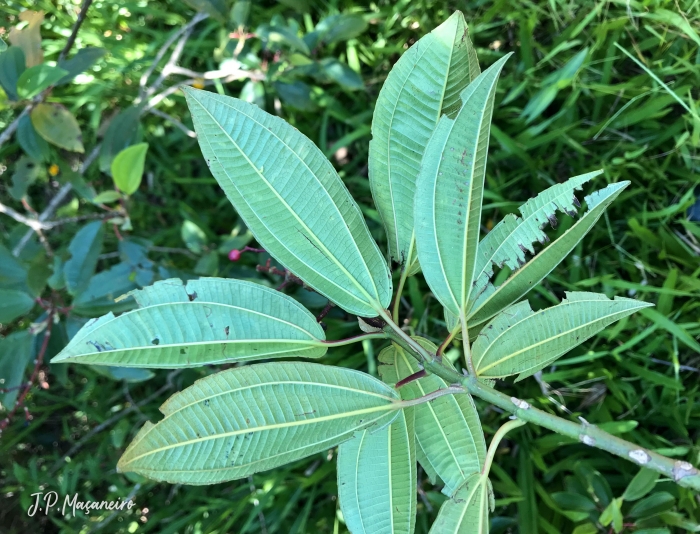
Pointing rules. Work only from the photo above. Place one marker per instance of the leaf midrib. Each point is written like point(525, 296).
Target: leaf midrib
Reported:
point(370, 300)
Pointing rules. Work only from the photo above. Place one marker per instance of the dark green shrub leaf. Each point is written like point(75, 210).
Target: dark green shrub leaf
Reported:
point(121, 132)
point(31, 142)
point(12, 65)
point(13, 304)
point(653, 505)
point(84, 248)
point(642, 483)
point(80, 62)
point(16, 351)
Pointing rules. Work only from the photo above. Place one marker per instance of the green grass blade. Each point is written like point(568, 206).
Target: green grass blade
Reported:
point(377, 478)
point(520, 341)
point(492, 299)
point(253, 418)
point(423, 84)
point(449, 192)
point(293, 201)
point(204, 321)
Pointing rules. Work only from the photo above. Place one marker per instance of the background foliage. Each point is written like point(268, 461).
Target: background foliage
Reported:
point(579, 94)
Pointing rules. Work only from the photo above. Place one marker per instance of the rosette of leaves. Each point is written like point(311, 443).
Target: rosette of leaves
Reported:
point(427, 165)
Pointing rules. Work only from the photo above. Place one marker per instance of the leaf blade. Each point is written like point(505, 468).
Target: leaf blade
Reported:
point(309, 239)
point(520, 341)
point(330, 404)
point(127, 168)
point(85, 247)
point(204, 321)
point(449, 189)
point(426, 81)
point(377, 478)
point(467, 511)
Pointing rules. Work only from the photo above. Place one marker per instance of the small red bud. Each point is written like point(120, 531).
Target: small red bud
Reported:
point(234, 255)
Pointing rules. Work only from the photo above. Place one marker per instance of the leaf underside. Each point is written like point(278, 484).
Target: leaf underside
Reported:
point(489, 300)
point(467, 511)
point(293, 201)
point(253, 418)
point(520, 341)
point(449, 192)
point(377, 478)
point(448, 430)
point(423, 84)
point(204, 321)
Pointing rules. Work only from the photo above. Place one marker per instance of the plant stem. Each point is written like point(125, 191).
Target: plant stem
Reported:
point(354, 339)
point(683, 473)
point(399, 290)
point(465, 344)
point(496, 441)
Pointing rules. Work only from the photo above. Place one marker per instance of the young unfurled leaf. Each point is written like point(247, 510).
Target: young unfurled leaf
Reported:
point(85, 247)
point(492, 300)
point(449, 192)
point(293, 201)
point(58, 126)
point(467, 511)
point(448, 430)
point(249, 419)
point(201, 322)
point(511, 238)
point(127, 168)
point(425, 83)
point(520, 341)
point(35, 79)
point(377, 478)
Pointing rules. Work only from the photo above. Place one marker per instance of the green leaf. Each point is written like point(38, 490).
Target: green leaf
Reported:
point(551, 86)
point(520, 341)
point(448, 430)
point(35, 79)
point(12, 65)
point(16, 351)
point(377, 479)
point(253, 418)
point(127, 168)
point(127, 374)
point(341, 27)
point(342, 74)
point(31, 142)
point(293, 201)
point(613, 515)
point(13, 274)
point(102, 290)
point(14, 304)
point(194, 237)
point(204, 321)
point(467, 511)
point(106, 197)
point(80, 62)
point(3, 46)
point(282, 35)
point(58, 126)
point(84, 248)
point(215, 8)
point(26, 172)
point(449, 192)
point(296, 94)
point(492, 299)
point(655, 504)
point(509, 241)
point(642, 483)
point(425, 82)
point(122, 131)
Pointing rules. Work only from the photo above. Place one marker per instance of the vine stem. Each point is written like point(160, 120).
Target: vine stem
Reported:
point(354, 339)
point(683, 473)
point(496, 441)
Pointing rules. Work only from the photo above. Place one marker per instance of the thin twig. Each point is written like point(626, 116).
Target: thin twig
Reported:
point(174, 121)
point(76, 28)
